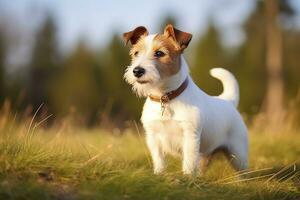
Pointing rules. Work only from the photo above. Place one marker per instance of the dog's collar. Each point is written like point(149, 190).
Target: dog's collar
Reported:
point(170, 95)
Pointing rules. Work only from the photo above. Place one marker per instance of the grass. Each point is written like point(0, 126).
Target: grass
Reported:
point(71, 163)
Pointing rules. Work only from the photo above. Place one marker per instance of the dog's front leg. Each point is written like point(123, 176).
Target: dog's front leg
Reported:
point(156, 153)
point(191, 154)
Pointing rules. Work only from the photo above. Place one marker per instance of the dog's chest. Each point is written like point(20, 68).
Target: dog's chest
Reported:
point(161, 120)
point(168, 126)
point(168, 134)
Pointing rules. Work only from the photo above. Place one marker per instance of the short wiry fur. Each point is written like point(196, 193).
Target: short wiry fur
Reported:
point(194, 123)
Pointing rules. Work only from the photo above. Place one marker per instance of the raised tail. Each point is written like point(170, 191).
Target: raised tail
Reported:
point(230, 85)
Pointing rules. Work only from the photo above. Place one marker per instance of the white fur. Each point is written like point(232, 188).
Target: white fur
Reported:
point(193, 123)
point(230, 85)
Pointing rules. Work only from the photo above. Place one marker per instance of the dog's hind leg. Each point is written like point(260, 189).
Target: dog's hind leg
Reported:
point(238, 147)
point(237, 154)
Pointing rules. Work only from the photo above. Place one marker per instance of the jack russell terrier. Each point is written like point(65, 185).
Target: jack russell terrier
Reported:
point(177, 115)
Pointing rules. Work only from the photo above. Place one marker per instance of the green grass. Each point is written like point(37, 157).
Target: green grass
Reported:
point(70, 163)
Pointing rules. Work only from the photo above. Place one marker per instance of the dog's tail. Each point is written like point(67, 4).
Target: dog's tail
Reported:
point(230, 85)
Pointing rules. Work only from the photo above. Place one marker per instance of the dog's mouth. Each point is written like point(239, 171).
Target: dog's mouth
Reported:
point(142, 81)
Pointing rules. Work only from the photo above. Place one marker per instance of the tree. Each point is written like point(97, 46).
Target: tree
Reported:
point(273, 104)
point(114, 60)
point(2, 63)
point(274, 100)
point(169, 19)
point(208, 53)
point(44, 62)
point(75, 88)
point(248, 64)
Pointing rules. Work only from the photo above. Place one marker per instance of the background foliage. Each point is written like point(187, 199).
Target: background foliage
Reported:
point(88, 83)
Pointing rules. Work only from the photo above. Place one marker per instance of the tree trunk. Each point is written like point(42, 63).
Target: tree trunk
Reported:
point(273, 103)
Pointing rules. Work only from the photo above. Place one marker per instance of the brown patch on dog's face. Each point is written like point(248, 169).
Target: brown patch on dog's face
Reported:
point(138, 49)
point(166, 53)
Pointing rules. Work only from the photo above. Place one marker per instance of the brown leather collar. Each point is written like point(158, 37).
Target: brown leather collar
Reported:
point(170, 95)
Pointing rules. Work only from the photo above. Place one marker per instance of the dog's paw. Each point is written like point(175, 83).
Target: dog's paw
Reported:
point(158, 171)
point(188, 172)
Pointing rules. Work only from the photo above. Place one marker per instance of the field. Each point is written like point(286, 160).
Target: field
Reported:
point(74, 163)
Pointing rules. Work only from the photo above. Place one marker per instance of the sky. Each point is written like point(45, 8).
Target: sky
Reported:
point(97, 20)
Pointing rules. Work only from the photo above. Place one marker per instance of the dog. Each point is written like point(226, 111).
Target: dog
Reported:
point(177, 115)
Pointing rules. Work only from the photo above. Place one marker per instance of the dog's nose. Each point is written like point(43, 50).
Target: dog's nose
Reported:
point(138, 72)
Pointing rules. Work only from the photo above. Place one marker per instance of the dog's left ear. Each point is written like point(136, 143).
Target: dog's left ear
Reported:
point(134, 35)
point(182, 38)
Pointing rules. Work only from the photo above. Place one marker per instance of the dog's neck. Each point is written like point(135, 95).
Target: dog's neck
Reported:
point(173, 82)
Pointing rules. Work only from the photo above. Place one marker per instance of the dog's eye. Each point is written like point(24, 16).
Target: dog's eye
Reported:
point(136, 53)
point(159, 54)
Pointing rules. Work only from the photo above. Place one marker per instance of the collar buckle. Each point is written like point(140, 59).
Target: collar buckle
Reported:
point(164, 99)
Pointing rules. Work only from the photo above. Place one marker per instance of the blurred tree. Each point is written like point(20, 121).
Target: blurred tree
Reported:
point(44, 62)
point(273, 104)
point(208, 53)
point(291, 49)
point(169, 19)
point(2, 63)
point(274, 100)
point(118, 94)
point(248, 63)
point(75, 89)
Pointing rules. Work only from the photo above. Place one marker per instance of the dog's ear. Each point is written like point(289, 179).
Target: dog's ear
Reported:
point(182, 38)
point(134, 35)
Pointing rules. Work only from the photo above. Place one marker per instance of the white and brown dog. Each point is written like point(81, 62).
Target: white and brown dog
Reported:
point(177, 115)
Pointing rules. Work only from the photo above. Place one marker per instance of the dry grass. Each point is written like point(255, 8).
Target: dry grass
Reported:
point(72, 163)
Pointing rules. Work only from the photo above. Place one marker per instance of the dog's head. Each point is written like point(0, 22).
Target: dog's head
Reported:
point(154, 58)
